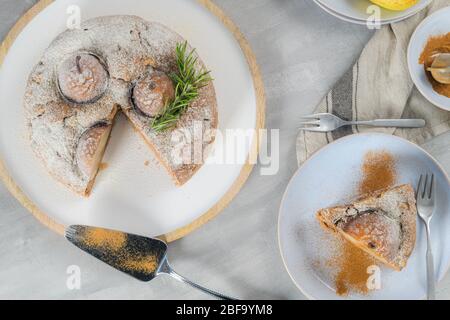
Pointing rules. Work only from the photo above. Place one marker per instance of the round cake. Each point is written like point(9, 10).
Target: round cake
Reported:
point(88, 75)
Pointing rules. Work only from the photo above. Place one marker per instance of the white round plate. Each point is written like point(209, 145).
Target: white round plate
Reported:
point(329, 178)
point(134, 193)
point(355, 11)
point(436, 24)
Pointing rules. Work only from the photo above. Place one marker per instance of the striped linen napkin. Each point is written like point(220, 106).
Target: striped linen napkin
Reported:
point(379, 86)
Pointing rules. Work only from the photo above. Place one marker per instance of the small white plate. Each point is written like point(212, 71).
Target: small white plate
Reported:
point(436, 24)
point(329, 178)
point(134, 193)
point(355, 11)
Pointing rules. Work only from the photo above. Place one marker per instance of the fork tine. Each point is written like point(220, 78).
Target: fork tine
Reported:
point(425, 184)
point(431, 186)
point(317, 122)
point(311, 116)
point(313, 129)
point(419, 185)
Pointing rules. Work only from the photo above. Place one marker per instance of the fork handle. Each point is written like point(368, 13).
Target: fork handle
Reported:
point(431, 282)
point(399, 123)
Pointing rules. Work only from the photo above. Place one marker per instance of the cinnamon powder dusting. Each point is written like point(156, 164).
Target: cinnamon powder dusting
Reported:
point(435, 45)
point(101, 238)
point(351, 263)
point(378, 172)
point(120, 251)
point(147, 264)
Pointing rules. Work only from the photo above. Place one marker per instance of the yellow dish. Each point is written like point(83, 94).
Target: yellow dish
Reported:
point(396, 5)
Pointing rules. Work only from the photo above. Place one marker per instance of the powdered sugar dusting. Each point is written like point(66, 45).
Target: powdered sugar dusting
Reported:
point(128, 46)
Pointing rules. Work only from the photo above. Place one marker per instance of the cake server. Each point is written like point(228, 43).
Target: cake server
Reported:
point(141, 257)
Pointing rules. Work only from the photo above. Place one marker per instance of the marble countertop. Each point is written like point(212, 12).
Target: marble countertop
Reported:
point(302, 52)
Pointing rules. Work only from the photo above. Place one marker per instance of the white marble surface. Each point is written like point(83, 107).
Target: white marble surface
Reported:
point(302, 52)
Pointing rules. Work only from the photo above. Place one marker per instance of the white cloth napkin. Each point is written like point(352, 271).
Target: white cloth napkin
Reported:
point(379, 86)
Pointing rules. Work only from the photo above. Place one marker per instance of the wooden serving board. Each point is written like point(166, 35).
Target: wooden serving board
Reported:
point(51, 223)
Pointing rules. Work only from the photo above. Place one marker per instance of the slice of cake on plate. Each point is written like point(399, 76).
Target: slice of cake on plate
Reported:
point(383, 224)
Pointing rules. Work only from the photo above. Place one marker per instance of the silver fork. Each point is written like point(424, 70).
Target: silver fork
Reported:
point(425, 206)
point(326, 122)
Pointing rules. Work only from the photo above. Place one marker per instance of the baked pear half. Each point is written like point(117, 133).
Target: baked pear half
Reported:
point(383, 224)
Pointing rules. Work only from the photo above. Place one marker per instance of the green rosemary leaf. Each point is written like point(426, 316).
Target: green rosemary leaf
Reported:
point(187, 83)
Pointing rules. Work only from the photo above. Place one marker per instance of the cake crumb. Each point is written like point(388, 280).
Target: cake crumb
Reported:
point(103, 166)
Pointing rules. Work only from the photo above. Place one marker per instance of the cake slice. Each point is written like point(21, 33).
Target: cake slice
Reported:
point(175, 148)
point(89, 152)
point(383, 224)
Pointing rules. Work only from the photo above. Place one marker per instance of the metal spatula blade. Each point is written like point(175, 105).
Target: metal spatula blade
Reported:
point(141, 257)
point(137, 256)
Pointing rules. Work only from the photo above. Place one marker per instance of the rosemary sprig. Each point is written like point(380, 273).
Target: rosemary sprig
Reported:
point(187, 84)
